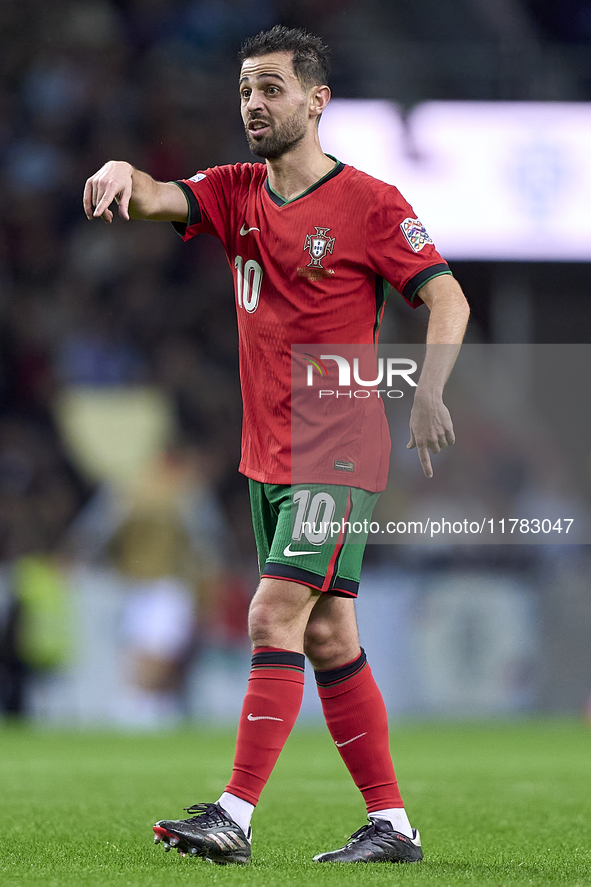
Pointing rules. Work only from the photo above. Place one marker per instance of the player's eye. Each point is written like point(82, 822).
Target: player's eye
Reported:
point(273, 90)
point(245, 93)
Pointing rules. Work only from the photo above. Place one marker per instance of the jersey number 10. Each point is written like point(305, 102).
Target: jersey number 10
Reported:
point(314, 528)
point(249, 277)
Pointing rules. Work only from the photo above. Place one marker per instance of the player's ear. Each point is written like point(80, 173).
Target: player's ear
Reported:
point(319, 99)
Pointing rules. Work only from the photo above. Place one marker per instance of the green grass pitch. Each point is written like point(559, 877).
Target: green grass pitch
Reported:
point(496, 803)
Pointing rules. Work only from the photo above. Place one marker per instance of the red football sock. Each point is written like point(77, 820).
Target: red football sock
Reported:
point(271, 706)
point(356, 717)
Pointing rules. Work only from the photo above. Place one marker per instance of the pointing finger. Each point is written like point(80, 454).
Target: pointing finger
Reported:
point(123, 202)
point(87, 199)
point(425, 461)
point(104, 203)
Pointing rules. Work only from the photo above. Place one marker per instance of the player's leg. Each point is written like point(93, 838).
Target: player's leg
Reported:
point(357, 720)
point(352, 703)
point(278, 616)
point(277, 620)
point(323, 546)
point(294, 572)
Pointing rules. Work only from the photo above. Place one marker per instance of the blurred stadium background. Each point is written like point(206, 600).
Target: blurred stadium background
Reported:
point(126, 554)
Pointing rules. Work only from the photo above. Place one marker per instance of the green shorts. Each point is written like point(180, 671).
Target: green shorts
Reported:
point(313, 534)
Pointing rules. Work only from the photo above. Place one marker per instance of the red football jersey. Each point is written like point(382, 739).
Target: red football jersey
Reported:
point(310, 271)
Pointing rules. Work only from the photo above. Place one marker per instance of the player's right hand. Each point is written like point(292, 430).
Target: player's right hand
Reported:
point(112, 182)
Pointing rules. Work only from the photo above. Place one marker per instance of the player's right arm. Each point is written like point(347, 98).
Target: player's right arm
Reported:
point(138, 195)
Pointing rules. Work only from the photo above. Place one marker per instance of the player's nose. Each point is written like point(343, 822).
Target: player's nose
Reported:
point(254, 102)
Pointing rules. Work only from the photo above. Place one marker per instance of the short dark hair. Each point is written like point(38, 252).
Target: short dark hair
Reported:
point(311, 64)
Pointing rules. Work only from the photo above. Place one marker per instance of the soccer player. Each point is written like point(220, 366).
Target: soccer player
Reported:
point(311, 243)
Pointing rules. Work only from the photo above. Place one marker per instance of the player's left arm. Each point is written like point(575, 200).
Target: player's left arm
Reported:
point(431, 427)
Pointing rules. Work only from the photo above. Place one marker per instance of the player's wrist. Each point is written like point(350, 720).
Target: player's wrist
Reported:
point(428, 393)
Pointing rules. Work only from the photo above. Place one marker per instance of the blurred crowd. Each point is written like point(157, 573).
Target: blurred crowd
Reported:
point(90, 305)
point(81, 304)
point(153, 82)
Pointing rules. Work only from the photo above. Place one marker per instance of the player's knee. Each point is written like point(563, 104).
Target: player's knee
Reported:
point(320, 643)
point(271, 626)
point(260, 624)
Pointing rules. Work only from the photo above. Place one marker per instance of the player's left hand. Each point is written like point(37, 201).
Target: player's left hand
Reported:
point(431, 429)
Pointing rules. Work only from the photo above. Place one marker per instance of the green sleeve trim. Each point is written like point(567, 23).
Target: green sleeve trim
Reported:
point(423, 282)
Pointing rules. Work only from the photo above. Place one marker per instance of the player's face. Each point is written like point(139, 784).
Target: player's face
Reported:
point(274, 106)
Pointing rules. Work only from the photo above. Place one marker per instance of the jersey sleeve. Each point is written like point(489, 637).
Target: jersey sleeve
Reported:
point(211, 198)
point(399, 247)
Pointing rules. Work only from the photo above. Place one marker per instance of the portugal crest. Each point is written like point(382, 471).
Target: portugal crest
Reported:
point(318, 245)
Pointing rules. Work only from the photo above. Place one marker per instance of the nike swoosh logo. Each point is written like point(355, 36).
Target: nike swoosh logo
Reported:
point(347, 741)
point(244, 230)
point(287, 552)
point(252, 717)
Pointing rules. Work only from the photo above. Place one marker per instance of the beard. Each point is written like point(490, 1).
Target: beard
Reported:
point(281, 138)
